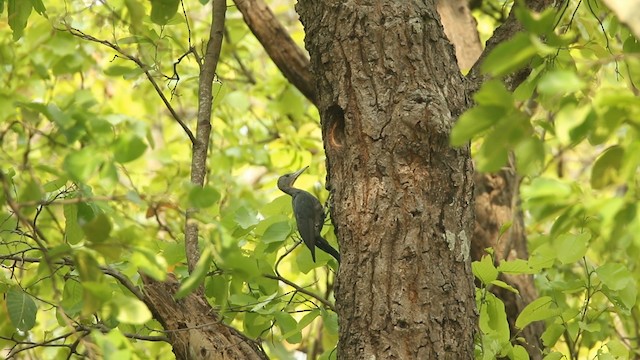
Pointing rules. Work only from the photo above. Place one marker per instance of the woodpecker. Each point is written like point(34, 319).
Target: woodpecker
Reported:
point(309, 215)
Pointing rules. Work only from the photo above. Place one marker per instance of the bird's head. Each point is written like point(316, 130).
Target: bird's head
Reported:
point(286, 181)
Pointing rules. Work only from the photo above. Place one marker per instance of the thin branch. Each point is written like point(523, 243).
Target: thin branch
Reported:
point(302, 290)
point(67, 262)
point(203, 129)
point(38, 237)
point(103, 329)
point(141, 65)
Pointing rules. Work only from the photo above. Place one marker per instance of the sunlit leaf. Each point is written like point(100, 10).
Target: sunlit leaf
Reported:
point(560, 82)
point(539, 309)
point(22, 309)
point(485, 270)
point(131, 310)
point(615, 276)
point(606, 169)
point(474, 122)
point(197, 276)
point(509, 55)
point(572, 248)
point(277, 232)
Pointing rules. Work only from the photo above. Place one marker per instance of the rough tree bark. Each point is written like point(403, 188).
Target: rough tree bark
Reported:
point(389, 91)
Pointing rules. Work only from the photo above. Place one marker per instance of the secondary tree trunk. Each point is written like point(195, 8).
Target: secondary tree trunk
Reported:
point(389, 91)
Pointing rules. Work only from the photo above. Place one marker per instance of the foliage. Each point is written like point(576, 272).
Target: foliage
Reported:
point(573, 127)
point(95, 178)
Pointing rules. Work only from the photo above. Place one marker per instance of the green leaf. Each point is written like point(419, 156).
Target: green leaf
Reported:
point(606, 169)
point(217, 288)
point(540, 309)
point(95, 295)
point(98, 229)
point(517, 266)
point(493, 318)
point(560, 82)
point(197, 276)
point(31, 192)
point(22, 309)
point(288, 327)
point(203, 197)
point(277, 232)
point(474, 122)
point(256, 324)
point(73, 233)
point(150, 263)
point(131, 310)
point(631, 45)
point(530, 156)
point(505, 286)
point(82, 164)
point(551, 334)
point(128, 147)
point(571, 248)
point(509, 55)
point(493, 93)
point(18, 12)
point(493, 153)
point(136, 14)
point(72, 297)
point(568, 123)
point(262, 303)
point(537, 23)
point(246, 217)
point(518, 353)
point(127, 72)
point(485, 270)
point(87, 267)
point(614, 276)
point(554, 356)
point(308, 318)
point(38, 6)
point(331, 322)
point(163, 10)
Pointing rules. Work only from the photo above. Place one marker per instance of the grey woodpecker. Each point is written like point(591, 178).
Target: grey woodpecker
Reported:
point(309, 215)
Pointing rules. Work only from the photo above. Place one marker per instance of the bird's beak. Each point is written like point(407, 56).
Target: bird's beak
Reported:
point(297, 173)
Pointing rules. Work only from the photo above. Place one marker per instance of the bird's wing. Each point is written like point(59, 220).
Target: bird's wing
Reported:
point(304, 209)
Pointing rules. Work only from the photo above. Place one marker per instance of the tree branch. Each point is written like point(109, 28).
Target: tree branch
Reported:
point(203, 129)
point(285, 53)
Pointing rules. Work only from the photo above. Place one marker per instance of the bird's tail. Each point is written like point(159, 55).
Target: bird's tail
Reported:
point(323, 245)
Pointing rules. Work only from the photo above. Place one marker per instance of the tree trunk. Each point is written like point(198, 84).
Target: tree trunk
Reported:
point(193, 329)
point(389, 91)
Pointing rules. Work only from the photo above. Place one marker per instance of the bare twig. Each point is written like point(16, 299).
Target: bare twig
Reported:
point(141, 65)
point(302, 290)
